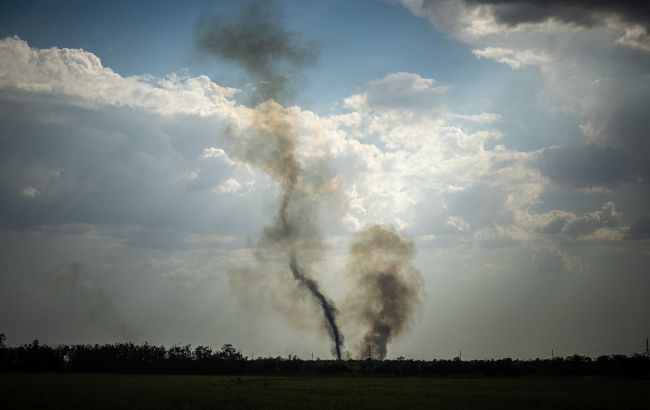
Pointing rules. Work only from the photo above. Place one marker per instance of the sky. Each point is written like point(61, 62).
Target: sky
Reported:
point(491, 157)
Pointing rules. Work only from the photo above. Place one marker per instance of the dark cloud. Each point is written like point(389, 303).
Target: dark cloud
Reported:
point(628, 121)
point(586, 166)
point(639, 230)
point(606, 217)
point(574, 227)
point(580, 12)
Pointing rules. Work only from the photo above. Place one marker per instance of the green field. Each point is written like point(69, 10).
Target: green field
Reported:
point(107, 391)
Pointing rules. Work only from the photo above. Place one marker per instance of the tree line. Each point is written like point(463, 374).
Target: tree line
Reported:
point(147, 358)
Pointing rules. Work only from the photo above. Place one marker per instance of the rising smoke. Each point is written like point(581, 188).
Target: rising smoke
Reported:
point(257, 40)
point(386, 289)
point(74, 280)
point(273, 57)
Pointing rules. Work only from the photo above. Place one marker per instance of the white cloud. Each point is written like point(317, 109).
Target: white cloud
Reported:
point(398, 154)
point(634, 36)
point(29, 191)
point(80, 75)
point(398, 91)
point(595, 68)
point(515, 59)
point(229, 186)
point(482, 118)
point(85, 145)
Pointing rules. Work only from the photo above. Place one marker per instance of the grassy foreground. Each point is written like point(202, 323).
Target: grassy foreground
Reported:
point(109, 391)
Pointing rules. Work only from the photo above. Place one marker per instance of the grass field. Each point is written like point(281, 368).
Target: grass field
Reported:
point(108, 391)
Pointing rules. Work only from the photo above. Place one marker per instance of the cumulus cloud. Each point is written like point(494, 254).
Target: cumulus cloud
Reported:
point(400, 156)
point(81, 76)
point(480, 19)
point(83, 145)
point(604, 224)
point(576, 46)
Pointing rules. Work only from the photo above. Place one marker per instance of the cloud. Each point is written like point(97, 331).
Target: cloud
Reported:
point(81, 144)
point(585, 71)
point(482, 118)
point(600, 225)
point(515, 59)
point(587, 66)
point(551, 260)
point(583, 13)
point(80, 76)
point(640, 230)
point(606, 217)
point(586, 166)
point(484, 19)
point(137, 178)
point(165, 178)
point(398, 91)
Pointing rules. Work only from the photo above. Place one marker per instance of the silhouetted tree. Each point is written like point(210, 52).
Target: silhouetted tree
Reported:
point(146, 358)
point(229, 352)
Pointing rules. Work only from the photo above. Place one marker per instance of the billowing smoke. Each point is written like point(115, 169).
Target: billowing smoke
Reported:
point(386, 291)
point(258, 41)
point(273, 57)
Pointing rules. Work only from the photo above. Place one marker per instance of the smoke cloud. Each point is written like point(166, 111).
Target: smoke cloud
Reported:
point(257, 40)
point(98, 307)
point(273, 56)
point(386, 291)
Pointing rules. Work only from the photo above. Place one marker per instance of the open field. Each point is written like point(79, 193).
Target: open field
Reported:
point(98, 391)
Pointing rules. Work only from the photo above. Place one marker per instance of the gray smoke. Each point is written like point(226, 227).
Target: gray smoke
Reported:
point(257, 40)
point(387, 288)
point(95, 303)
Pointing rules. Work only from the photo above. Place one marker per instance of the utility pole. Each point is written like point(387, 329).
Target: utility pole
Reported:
point(369, 353)
point(460, 355)
point(312, 355)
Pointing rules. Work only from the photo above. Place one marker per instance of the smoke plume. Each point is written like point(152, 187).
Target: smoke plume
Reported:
point(257, 40)
point(387, 287)
point(328, 308)
point(273, 57)
point(74, 280)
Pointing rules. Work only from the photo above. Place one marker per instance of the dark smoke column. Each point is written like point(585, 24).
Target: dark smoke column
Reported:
point(387, 288)
point(273, 57)
point(329, 311)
